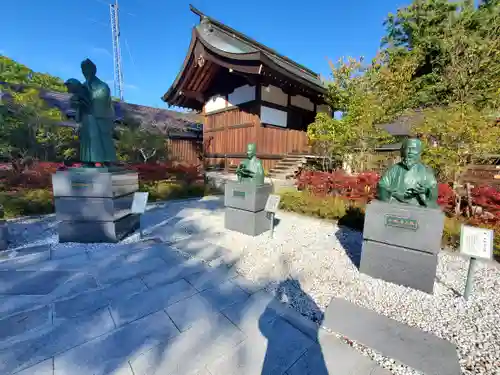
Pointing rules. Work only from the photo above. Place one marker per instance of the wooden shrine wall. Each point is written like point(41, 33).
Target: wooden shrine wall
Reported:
point(228, 132)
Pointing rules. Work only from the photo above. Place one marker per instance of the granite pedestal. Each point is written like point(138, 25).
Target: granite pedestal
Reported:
point(94, 204)
point(401, 243)
point(4, 243)
point(245, 204)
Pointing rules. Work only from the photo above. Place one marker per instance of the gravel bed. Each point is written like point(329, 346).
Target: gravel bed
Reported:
point(308, 262)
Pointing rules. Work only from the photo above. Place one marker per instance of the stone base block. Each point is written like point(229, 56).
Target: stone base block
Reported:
point(93, 208)
point(94, 182)
point(4, 233)
point(407, 226)
point(398, 265)
point(245, 196)
point(98, 231)
point(246, 222)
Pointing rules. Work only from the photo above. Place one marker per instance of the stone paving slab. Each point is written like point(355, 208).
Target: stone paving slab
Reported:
point(14, 304)
point(134, 307)
point(413, 347)
point(111, 352)
point(60, 338)
point(123, 270)
point(70, 263)
point(185, 313)
point(23, 322)
point(14, 259)
point(42, 368)
point(40, 282)
point(224, 295)
point(96, 299)
point(197, 246)
point(173, 273)
point(192, 350)
point(111, 252)
point(331, 356)
point(212, 277)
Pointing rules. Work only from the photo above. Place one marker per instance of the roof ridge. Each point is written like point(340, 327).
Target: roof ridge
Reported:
point(247, 39)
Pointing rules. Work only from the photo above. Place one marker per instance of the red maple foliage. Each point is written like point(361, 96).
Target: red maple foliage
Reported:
point(362, 187)
point(39, 174)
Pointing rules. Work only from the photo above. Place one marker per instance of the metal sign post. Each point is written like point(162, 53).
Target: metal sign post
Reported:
point(272, 204)
point(139, 207)
point(476, 243)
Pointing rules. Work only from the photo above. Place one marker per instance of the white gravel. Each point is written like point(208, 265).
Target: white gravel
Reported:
point(310, 255)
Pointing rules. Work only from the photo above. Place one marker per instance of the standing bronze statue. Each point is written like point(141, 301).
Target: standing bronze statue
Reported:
point(251, 169)
point(409, 181)
point(95, 114)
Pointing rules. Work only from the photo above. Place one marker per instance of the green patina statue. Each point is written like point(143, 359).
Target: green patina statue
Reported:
point(250, 170)
point(95, 114)
point(409, 181)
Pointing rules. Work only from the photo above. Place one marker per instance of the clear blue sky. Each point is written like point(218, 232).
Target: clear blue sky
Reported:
point(53, 36)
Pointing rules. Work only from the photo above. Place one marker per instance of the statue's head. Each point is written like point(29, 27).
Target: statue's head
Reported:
point(89, 69)
point(411, 150)
point(251, 150)
point(73, 85)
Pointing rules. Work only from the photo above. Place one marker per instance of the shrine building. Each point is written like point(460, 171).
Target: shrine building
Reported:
point(246, 93)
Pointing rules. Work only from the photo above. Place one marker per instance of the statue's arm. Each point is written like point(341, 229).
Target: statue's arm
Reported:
point(78, 115)
point(384, 192)
point(433, 191)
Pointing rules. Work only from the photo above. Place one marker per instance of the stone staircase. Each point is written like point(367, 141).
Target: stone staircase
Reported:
point(288, 166)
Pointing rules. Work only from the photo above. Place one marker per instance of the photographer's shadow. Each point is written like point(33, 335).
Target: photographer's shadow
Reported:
point(284, 344)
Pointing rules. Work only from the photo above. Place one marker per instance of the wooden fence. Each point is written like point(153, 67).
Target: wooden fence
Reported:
point(186, 151)
point(477, 174)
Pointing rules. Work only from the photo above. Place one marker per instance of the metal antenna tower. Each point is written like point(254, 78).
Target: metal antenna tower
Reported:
point(117, 56)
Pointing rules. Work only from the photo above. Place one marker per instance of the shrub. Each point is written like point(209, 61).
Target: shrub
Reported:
point(25, 202)
point(39, 174)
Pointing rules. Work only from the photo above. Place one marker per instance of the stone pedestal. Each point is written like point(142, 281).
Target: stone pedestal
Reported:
point(401, 243)
point(245, 207)
point(4, 243)
point(94, 204)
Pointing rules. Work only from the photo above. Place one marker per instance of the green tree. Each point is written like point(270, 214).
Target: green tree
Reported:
point(351, 91)
point(456, 47)
point(139, 145)
point(29, 126)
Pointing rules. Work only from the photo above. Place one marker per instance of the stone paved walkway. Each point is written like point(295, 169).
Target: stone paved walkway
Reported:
point(142, 309)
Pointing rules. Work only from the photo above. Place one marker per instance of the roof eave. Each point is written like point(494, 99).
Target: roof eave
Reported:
point(250, 40)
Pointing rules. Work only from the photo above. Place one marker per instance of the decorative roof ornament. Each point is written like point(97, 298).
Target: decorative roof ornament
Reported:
point(200, 61)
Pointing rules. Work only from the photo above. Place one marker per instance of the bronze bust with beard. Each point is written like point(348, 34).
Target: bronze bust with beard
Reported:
point(409, 181)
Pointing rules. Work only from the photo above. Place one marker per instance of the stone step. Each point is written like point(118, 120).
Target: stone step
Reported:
point(282, 168)
point(411, 346)
point(288, 161)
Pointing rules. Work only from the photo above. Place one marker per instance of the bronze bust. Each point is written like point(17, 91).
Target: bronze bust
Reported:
point(409, 181)
point(251, 170)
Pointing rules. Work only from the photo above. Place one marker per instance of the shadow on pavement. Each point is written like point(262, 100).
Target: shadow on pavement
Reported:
point(288, 290)
point(351, 242)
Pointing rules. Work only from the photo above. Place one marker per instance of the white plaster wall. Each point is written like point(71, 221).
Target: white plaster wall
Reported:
point(215, 103)
point(302, 102)
point(240, 95)
point(323, 108)
point(273, 94)
point(273, 116)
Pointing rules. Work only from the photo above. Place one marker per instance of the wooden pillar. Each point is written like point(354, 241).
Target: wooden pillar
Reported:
point(258, 123)
point(225, 137)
